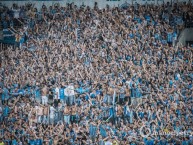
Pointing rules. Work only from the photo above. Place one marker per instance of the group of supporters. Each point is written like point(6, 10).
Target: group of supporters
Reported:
point(87, 76)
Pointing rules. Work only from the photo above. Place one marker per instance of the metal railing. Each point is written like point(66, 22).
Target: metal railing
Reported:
point(4, 44)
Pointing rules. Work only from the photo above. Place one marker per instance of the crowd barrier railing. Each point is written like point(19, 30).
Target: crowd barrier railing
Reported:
point(4, 44)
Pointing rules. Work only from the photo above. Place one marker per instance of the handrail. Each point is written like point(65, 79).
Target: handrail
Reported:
point(11, 31)
point(7, 42)
point(20, 22)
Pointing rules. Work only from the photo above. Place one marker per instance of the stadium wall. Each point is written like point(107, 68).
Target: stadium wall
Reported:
point(186, 35)
point(101, 3)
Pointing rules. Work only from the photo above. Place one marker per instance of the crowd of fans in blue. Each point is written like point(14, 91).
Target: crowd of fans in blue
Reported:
point(119, 80)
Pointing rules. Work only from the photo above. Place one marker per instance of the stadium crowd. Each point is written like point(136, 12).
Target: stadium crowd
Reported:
point(97, 76)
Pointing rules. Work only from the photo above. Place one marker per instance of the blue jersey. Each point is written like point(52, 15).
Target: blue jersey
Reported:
point(21, 41)
point(102, 131)
point(8, 142)
point(6, 111)
point(21, 91)
point(157, 37)
point(37, 93)
point(5, 95)
point(80, 90)
point(32, 24)
point(111, 111)
point(28, 90)
point(148, 18)
point(78, 22)
point(164, 42)
point(2, 132)
point(32, 142)
point(131, 35)
point(98, 92)
point(138, 93)
point(185, 142)
point(149, 142)
point(61, 93)
point(54, 91)
point(14, 142)
point(53, 11)
point(125, 112)
point(131, 116)
point(5, 25)
point(39, 15)
point(39, 142)
point(175, 36)
point(169, 37)
point(141, 115)
point(92, 130)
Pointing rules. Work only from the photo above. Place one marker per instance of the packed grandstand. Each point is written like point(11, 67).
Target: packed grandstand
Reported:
point(90, 76)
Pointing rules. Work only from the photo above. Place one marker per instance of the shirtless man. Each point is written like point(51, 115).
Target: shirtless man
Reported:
point(128, 98)
point(44, 96)
point(66, 115)
point(73, 113)
point(119, 113)
point(45, 114)
point(39, 112)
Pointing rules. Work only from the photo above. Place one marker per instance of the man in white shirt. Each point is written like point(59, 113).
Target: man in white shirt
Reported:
point(57, 93)
point(16, 13)
point(108, 143)
point(52, 114)
point(69, 92)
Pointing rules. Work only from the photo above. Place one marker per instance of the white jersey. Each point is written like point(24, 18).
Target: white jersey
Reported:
point(57, 91)
point(52, 112)
point(108, 143)
point(16, 13)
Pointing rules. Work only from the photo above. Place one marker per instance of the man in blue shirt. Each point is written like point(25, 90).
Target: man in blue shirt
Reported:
point(37, 93)
point(39, 142)
point(5, 95)
point(61, 94)
point(148, 141)
point(31, 141)
point(162, 141)
point(6, 111)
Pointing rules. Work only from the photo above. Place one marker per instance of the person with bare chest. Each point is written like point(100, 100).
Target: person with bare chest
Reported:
point(66, 114)
point(73, 114)
point(45, 114)
point(44, 96)
point(39, 113)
